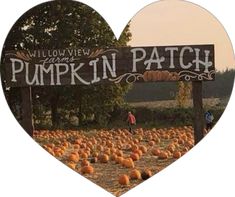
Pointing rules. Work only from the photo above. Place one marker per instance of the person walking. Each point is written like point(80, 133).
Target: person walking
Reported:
point(209, 120)
point(131, 122)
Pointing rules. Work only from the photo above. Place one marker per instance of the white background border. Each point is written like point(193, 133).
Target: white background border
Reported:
point(27, 170)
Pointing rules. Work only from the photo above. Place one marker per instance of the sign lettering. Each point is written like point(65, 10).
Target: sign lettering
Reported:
point(115, 65)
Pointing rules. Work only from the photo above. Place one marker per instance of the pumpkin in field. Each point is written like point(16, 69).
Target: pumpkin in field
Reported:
point(124, 180)
point(53, 153)
point(76, 146)
point(100, 148)
point(177, 154)
point(155, 151)
point(84, 155)
point(83, 145)
point(135, 174)
point(93, 160)
point(128, 147)
point(113, 157)
point(139, 137)
point(107, 151)
point(119, 153)
point(85, 163)
point(113, 150)
point(134, 147)
point(73, 157)
point(66, 144)
point(139, 152)
point(145, 174)
point(110, 144)
point(190, 144)
point(171, 148)
point(163, 155)
point(136, 141)
point(95, 154)
point(181, 141)
point(87, 170)
point(72, 165)
point(128, 163)
point(143, 149)
point(157, 139)
point(166, 137)
point(134, 156)
point(103, 158)
point(119, 160)
point(151, 143)
point(58, 152)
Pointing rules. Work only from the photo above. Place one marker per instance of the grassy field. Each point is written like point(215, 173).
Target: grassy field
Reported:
point(207, 102)
point(149, 114)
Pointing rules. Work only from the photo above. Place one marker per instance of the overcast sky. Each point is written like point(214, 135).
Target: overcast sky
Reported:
point(172, 22)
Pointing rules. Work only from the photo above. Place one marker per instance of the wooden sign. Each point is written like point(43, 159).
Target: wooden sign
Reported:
point(83, 66)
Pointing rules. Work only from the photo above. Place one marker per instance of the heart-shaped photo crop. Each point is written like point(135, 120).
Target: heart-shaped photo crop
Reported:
point(117, 111)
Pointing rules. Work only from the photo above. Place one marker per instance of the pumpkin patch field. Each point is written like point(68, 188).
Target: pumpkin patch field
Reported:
point(115, 159)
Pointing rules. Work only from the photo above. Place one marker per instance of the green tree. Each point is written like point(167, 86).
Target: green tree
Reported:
point(184, 93)
point(68, 24)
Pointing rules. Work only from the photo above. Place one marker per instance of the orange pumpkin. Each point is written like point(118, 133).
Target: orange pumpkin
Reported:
point(103, 158)
point(124, 180)
point(95, 154)
point(128, 163)
point(85, 163)
point(151, 143)
point(119, 160)
point(135, 174)
point(145, 174)
point(100, 148)
point(113, 150)
point(157, 140)
point(87, 170)
point(134, 156)
point(143, 149)
point(177, 154)
point(72, 165)
point(156, 151)
point(139, 152)
point(73, 157)
point(163, 155)
point(76, 146)
point(181, 141)
point(119, 153)
point(110, 144)
point(84, 155)
point(134, 147)
point(107, 151)
point(113, 157)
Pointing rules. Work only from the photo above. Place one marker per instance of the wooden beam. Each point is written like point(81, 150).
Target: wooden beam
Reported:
point(198, 122)
point(27, 119)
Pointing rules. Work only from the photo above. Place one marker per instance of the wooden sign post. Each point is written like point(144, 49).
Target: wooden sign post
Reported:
point(84, 66)
point(26, 103)
point(198, 121)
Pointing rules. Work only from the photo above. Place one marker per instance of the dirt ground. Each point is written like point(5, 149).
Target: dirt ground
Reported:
point(107, 175)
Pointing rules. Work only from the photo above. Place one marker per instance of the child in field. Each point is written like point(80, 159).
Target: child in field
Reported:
point(131, 122)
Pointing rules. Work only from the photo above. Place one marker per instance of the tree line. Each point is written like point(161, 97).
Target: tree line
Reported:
point(221, 87)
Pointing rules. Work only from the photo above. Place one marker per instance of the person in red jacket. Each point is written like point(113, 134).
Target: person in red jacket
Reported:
point(131, 122)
